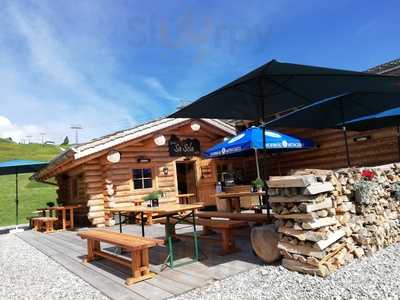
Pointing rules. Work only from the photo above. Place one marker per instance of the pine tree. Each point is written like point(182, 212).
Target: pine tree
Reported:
point(66, 141)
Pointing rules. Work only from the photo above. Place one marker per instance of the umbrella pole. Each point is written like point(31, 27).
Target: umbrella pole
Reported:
point(345, 134)
point(398, 139)
point(257, 163)
point(265, 148)
point(346, 145)
point(16, 199)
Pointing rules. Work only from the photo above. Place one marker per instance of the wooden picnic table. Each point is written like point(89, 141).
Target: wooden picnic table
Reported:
point(63, 209)
point(170, 211)
point(185, 198)
point(233, 198)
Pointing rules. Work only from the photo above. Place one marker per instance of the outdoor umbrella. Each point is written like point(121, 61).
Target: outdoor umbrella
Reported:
point(390, 118)
point(277, 87)
point(336, 111)
point(249, 141)
point(19, 167)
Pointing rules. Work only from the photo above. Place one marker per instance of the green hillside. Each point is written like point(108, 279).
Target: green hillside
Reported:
point(10, 150)
point(32, 194)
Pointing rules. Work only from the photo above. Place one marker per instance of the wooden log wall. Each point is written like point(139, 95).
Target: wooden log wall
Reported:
point(381, 148)
point(62, 190)
point(103, 184)
point(94, 183)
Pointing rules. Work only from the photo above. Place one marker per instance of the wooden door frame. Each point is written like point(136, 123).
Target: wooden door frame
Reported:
point(190, 161)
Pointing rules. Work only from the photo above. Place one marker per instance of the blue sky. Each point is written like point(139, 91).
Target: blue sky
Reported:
point(108, 65)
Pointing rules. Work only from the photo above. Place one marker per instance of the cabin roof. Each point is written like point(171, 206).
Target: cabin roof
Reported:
point(141, 130)
point(386, 68)
point(119, 137)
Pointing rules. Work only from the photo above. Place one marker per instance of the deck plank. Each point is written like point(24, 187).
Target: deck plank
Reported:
point(98, 281)
point(68, 249)
point(167, 284)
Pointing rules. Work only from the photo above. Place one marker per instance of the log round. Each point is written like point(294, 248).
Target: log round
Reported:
point(264, 240)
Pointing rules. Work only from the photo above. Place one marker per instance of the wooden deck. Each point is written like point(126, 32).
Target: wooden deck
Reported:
point(68, 249)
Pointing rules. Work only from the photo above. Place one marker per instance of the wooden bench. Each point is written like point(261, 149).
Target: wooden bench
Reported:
point(137, 245)
point(226, 227)
point(45, 224)
point(248, 217)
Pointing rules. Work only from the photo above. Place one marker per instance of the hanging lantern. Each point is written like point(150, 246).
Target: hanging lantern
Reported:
point(113, 156)
point(195, 126)
point(160, 140)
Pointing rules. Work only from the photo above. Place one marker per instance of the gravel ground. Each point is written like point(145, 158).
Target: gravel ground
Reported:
point(26, 273)
point(376, 277)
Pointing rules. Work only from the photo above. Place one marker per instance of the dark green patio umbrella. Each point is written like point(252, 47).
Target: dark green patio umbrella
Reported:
point(390, 118)
point(334, 112)
point(19, 167)
point(278, 87)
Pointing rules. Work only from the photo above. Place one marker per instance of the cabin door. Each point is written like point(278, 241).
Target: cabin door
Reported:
point(186, 177)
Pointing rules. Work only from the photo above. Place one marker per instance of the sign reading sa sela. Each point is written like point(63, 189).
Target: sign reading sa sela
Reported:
point(186, 147)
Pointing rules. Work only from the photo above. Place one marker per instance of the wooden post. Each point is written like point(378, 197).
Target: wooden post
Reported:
point(64, 219)
point(71, 218)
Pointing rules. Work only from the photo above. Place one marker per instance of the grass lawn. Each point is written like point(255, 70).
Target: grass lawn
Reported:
point(9, 151)
point(32, 195)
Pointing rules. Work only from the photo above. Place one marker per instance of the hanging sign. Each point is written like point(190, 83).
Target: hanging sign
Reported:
point(186, 147)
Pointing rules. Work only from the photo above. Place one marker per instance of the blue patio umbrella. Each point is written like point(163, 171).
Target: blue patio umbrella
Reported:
point(251, 140)
point(19, 167)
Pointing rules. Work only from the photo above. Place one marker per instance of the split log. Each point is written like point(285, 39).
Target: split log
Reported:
point(332, 237)
point(298, 198)
point(94, 215)
point(291, 181)
point(305, 268)
point(303, 235)
point(308, 217)
point(318, 188)
point(299, 249)
point(306, 207)
point(322, 222)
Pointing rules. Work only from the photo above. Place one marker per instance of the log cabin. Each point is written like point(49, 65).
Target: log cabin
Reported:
point(115, 170)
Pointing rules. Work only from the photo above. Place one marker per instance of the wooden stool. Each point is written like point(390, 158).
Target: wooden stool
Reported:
point(44, 223)
point(226, 227)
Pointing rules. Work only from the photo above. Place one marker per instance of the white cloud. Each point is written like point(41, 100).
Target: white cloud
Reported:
point(158, 87)
point(18, 133)
point(51, 88)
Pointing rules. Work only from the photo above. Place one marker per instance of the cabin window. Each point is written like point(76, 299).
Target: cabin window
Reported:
point(142, 178)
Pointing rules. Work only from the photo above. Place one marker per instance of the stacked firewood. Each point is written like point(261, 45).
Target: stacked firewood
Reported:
point(311, 239)
point(365, 202)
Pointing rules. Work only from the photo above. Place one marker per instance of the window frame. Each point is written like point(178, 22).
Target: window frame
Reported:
point(142, 178)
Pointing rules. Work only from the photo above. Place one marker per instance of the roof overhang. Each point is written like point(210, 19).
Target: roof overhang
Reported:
point(100, 145)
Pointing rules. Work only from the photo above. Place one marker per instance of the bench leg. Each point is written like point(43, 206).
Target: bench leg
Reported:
point(90, 253)
point(35, 225)
point(92, 246)
point(207, 231)
point(228, 244)
point(47, 225)
point(139, 266)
